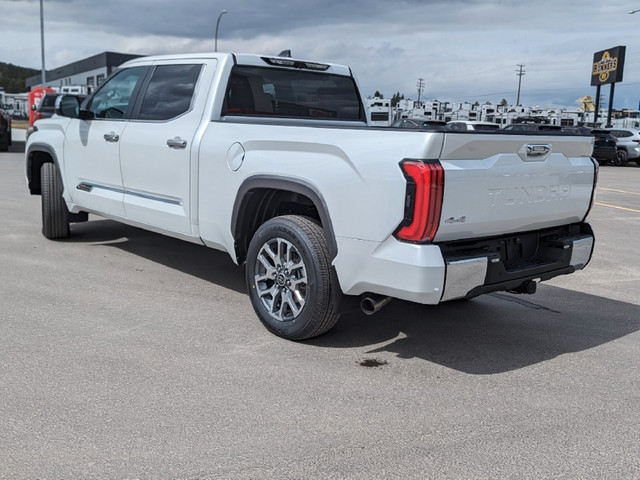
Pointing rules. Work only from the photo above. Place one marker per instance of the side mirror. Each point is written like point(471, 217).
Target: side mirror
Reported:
point(68, 106)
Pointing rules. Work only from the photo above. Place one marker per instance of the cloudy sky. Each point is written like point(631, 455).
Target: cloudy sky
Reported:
point(465, 50)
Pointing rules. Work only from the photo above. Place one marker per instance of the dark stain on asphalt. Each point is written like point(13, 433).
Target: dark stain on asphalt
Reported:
point(372, 363)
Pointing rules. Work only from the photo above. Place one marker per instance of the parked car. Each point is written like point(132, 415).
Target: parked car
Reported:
point(472, 125)
point(415, 123)
point(5, 130)
point(628, 144)
point(47, 106)
point(532, 127)
point(604, 149)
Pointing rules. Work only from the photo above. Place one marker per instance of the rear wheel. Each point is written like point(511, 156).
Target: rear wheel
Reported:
point(55, 216)
point(622, 157)
point(290, 278)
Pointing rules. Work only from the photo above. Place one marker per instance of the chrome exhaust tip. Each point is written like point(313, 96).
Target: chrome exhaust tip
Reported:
point(371, 304)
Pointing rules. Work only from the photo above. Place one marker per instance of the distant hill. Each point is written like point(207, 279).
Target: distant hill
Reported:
point(12, 77)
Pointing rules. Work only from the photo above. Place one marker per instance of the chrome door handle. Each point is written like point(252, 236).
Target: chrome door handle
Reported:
point(111, 137)
point(176, 143)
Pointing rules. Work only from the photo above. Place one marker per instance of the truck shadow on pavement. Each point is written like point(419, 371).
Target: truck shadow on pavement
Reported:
point(491, 334)
point(196, 260)
point(494, 333)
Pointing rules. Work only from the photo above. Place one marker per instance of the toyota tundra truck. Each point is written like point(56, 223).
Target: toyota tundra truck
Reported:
point(271, 160)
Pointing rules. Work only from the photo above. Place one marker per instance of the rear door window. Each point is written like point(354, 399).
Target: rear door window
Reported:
point(170, 91)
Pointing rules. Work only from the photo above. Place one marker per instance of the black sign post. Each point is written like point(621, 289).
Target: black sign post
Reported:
point(607, 67)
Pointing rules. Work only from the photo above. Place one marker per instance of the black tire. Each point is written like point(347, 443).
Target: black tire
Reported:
point(5, 141)
point(55, 216)
point(290, 278)
point(622, 158)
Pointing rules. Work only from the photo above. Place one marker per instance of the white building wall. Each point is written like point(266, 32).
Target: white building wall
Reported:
point(16, 104)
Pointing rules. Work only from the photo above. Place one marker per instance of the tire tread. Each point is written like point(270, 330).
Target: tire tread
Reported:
point(55, 217)
point(324, 315)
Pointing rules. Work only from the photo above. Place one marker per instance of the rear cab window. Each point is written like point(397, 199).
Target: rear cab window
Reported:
point(287, 93)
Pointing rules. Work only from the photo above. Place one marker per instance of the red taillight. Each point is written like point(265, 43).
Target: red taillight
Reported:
point(425, 187)
point(39, 116)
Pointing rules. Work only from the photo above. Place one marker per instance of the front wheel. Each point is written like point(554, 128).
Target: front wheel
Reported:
point(5, 141)
point(55, 216)
point(290, 278)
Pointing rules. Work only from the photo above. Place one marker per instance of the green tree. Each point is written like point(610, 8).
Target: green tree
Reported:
point(378, 94)
point(12, 78)
point(396, 99)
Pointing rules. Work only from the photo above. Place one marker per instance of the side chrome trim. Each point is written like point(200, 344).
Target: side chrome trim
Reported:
point(89, 187)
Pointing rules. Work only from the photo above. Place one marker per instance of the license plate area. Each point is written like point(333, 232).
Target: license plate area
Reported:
point(525, 255)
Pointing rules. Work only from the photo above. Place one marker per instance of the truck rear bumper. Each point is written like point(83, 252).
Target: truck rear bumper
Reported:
point(430, 274)
point(510, 262)
point(471, 277)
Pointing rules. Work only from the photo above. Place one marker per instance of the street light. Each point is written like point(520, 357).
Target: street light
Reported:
point(633, 11)
point(217, 25)
point(43, 73)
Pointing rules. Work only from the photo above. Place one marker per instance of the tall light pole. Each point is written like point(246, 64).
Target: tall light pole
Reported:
point(44, 79)
point(217, 26)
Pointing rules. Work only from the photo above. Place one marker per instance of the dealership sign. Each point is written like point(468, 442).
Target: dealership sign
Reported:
point(608, 66)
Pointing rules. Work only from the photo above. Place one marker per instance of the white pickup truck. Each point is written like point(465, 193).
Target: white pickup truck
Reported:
point(271, 160)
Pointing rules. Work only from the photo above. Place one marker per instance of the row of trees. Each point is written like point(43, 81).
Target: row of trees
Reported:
point(395, 99)
point(12, 77)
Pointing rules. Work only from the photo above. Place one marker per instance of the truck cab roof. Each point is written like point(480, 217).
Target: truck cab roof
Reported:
point(248, 59)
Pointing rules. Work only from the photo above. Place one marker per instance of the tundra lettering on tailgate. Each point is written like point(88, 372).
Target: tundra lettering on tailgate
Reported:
point(527, 194)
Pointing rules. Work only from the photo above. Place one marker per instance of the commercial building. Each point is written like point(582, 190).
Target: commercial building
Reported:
point(90, 72)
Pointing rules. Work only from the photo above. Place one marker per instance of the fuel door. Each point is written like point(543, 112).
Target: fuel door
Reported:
point(235, 156)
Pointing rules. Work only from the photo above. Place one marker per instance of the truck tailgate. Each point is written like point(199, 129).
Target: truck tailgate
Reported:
point(496, 183)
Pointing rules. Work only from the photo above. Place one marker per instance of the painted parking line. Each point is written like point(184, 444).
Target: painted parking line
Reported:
point(619, 208)
point(617, 191)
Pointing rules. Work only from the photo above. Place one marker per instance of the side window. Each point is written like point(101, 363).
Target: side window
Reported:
point(114, 98)
point(170, 92)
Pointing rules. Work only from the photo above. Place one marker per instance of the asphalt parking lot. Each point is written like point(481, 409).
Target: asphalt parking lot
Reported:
point(129, 355)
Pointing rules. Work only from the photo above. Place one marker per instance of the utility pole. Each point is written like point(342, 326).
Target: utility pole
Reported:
point(520, 72)
point(420, 86)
